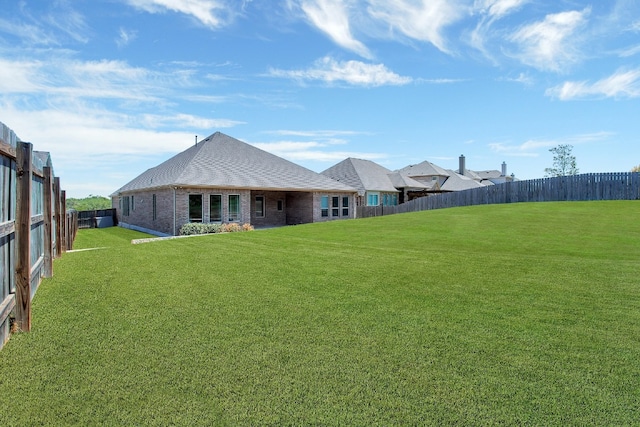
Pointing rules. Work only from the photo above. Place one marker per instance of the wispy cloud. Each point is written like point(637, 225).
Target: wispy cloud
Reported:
point(59, 75)
point(332, 18)
point(629, 51)
point(522, 78)
point(316, 133)
point(355, 73)
point(58, 25)
point(551, 44)
point(185, 121)
point(69, 22)
point(532, 148)
point(491, 11)
point(211, 13)
point(318, 146)
point(621, 84)
point(497, 9)
point(424, 21)
point(125, 37)
point(313, 151)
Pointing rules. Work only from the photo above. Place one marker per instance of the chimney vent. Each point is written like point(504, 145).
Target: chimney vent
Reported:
point(504, 168)
point(462, 167)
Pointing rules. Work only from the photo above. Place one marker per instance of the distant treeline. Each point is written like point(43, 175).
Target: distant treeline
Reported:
point(90, 203)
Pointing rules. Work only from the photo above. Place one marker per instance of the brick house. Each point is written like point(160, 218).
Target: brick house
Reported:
point(376, 184)
point(221, 179)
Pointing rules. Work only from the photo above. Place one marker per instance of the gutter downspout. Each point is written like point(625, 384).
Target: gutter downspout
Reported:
point(174, 211)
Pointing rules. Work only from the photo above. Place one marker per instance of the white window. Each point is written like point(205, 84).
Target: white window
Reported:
point(373, 199)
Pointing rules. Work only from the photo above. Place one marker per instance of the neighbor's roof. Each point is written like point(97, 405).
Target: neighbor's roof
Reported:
point(224, 162)
point(400, 180)
point(364, 175)
point(457, 182)
point(490, 174)
point(424, 169)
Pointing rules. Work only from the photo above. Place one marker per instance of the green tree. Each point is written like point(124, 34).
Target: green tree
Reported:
point(564, 163)
point(636, 169)
point(89, 203)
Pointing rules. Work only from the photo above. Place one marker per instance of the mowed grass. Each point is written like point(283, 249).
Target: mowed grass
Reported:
point(523, 314)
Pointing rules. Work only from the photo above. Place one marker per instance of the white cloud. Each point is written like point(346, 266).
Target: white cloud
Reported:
point(499, 8)
point(210, 13)
point(66, 78)
point(622, 84)
point(69, 22)
point(332, 18)
point(522, 78)
point(424, 21)
point(316, 133)
point(312, 151)
point(491, 11)
point(355, 73)
point(630, 51)
point(182, 121)
point(531, 148)
point(125, 37)
point(551, 44)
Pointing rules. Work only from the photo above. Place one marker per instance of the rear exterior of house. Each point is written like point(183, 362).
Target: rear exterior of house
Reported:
point(224, 180)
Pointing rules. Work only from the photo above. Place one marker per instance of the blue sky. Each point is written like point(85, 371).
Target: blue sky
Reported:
point(114, 87)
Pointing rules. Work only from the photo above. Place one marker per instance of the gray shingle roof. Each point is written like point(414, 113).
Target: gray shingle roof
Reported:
point(489, 174)
point(400, 180)
point(424, 169)
point(457, 182)
point(364, 175)
point(221, 161)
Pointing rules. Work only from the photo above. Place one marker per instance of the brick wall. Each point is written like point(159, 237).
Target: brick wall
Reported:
point(273, 217)
point(298, 208)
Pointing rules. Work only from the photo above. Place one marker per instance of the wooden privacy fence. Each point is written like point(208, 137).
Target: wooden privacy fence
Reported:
point(99, 218)
point(33, 230)
point(585, 187)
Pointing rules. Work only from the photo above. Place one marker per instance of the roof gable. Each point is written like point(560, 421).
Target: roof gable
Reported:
point(424, 169)
point(224, 162)
point(364, 175)
point(457, 182)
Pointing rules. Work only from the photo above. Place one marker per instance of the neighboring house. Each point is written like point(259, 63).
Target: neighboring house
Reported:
point(409, 188)
point(457, 182)
point(487, 177)
point(221, 179)
point(430, 175)
point(373, 182)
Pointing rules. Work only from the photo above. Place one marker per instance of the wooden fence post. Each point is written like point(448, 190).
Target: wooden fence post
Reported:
point(24, 151)
point(65, 230)
point(59, 216)
point(48, 219)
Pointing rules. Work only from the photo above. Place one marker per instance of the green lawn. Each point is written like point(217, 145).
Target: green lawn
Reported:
point(525, 314)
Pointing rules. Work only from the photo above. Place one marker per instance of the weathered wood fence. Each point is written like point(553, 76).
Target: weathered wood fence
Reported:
point(99, 218)
point(585, 187)
point(33, 229)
